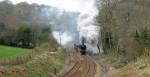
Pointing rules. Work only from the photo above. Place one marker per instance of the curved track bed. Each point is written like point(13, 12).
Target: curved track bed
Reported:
point(80, 66)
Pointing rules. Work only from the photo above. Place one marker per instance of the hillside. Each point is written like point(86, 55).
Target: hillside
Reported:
point(139, 68)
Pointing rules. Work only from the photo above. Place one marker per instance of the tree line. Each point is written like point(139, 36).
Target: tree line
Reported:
point(125, 26)
point(23, 25)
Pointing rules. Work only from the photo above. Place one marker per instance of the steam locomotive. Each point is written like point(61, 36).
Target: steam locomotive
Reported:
point(80, 48)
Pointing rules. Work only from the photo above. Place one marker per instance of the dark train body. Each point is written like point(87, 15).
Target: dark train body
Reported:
point(80, 48)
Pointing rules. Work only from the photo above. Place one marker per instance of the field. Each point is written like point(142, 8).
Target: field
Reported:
point(12, 52)
point(44, 63)
point(41, 66)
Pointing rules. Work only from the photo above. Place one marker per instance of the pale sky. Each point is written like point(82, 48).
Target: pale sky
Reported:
point(83, 6)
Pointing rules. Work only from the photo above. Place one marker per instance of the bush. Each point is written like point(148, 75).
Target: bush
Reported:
point(124, 26)
point(24, 36)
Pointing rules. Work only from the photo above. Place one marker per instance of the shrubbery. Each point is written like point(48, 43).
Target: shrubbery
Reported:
point(125, 26)
point(24, 25)
point(24, 35)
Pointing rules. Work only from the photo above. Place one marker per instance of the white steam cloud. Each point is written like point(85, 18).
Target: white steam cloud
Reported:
point(85, 24)
point(61, 37)
point(87, 27)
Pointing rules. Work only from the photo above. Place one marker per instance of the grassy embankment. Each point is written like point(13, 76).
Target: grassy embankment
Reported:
point(42, 64)
point(117, 66)
point(139, 68)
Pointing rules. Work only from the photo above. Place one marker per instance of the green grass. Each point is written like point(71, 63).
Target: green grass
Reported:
point(39, 66)
point(12, 52)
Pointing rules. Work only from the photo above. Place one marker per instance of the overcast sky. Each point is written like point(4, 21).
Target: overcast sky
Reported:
point(83, 6)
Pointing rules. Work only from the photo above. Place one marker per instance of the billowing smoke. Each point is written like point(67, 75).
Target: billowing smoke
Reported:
point(63, 38)
point(74, 26)
point(87, 26)
point(70, 20)
point(64, 26)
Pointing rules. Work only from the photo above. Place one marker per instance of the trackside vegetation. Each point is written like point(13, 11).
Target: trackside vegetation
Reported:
point(125, 27)
point(125, 37)
point(25, 29)
point(43, 65)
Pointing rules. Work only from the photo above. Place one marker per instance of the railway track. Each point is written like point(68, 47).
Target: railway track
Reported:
point(80, 66)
